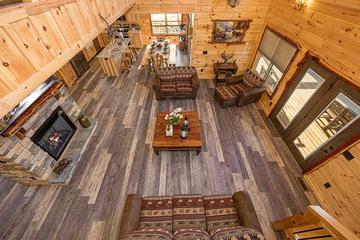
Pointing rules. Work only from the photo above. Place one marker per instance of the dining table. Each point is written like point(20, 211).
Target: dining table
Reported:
point(164, 48)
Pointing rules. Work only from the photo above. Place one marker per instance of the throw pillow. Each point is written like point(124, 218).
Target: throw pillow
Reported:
point(236, 233)
point(191, 234)
point(149, 234)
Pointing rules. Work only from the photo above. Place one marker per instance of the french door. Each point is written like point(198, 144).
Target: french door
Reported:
point(317, 115)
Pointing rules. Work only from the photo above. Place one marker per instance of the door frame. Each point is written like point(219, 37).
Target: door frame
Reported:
point(303, 114)
point(335, 84)
point(336, 144)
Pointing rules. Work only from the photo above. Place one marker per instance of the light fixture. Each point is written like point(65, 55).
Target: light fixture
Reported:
point(299, 4)
point(233, 3)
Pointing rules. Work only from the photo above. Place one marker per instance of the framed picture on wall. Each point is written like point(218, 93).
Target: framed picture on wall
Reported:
point(230, 31)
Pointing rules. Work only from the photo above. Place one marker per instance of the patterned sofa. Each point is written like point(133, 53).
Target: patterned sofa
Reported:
point(183, 217)
point(240, 90)
point(176, 82)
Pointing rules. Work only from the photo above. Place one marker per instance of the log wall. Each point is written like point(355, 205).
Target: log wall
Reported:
point(37, 39)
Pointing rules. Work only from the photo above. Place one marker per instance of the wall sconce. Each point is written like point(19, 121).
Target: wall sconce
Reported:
point(233, 3)
point(300, 4)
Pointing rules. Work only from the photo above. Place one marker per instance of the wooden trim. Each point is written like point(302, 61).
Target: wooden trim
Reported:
point(313, 215)
point(43, 6)
point(293, 221)
point(339, 150)
point(332, 224)
point(17, 125)
point(308, 56)
point(13, 13)
point(228, 43)
point(345, 147)
point(292, 42)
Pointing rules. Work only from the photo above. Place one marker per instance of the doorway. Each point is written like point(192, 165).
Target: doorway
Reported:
point(317, 115)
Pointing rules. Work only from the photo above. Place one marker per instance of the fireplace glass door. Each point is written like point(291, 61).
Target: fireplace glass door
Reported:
point(54, 135)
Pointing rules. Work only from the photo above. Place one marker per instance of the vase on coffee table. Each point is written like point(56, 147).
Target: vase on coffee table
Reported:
point(174, 117)
point(169, 130)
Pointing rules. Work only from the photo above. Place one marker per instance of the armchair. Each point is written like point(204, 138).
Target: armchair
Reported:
point(240, 90)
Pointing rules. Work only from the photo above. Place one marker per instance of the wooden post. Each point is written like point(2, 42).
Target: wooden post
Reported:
point(313, 216)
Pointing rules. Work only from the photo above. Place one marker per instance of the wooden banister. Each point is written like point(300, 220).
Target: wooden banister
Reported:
point(315, 222)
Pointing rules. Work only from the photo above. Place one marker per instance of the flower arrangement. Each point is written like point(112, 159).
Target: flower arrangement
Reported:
point(174, 117)
point(226, 57)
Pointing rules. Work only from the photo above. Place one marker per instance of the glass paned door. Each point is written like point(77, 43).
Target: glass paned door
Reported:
point(305, 89)
point(336, 117)
point(318, 115)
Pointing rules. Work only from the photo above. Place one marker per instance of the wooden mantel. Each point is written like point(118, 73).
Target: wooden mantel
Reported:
point(38, 38)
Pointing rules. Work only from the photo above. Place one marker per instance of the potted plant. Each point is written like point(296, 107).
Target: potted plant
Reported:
point(174, 117)
point(226, 57)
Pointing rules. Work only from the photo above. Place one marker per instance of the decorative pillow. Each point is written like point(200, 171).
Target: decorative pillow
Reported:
point(149, 234)
point(188, 212)
point(191, 234)
point(220, 212)
point(236, 233)
point(252, 80)
point(156, 212)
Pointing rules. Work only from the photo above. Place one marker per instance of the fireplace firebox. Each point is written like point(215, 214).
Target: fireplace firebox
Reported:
point(55, 133)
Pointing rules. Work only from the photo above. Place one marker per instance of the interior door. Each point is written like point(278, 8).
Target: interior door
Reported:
point(317, 115)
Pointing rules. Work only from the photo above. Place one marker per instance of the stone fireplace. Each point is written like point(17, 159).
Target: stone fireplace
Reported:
point(46, 132)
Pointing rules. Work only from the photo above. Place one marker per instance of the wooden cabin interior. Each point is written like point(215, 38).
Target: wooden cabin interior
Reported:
point(179, 119)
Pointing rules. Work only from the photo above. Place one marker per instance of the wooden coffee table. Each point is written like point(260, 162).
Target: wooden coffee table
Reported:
point(192, 142)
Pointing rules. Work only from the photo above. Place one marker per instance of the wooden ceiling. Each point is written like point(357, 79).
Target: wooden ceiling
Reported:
point(9, 2)
point(350, 4)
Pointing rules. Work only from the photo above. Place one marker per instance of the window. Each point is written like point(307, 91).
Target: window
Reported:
point(166, 24)
point(273, 58)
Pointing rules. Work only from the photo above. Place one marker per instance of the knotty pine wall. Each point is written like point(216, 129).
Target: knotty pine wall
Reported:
point(330, 29)
point(208, 11)
point(140, 14)
point(341, 199)
point(205, 12)
point(37, 39)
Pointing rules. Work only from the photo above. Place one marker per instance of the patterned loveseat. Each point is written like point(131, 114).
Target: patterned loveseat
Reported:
point(181, 217)
point(176, 82)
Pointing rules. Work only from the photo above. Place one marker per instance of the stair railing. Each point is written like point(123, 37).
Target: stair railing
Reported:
point(314, 223)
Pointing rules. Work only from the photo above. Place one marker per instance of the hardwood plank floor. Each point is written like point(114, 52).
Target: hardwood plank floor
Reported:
point(241, 152)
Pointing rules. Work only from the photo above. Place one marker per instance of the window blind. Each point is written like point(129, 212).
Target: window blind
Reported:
point(277, 50)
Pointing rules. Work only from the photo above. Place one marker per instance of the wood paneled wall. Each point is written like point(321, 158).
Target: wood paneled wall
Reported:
point(140, 14)
point(342, 198)
point(206, 11)
point(37, 39)
point(330, 29)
